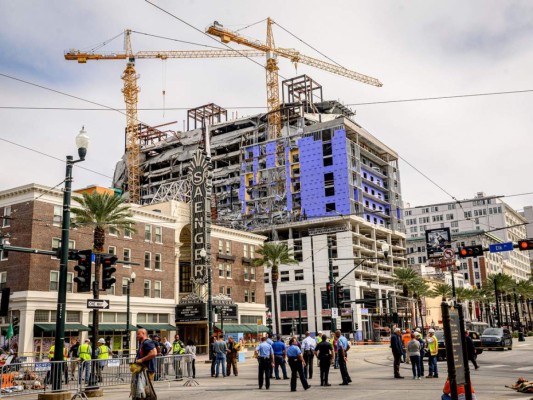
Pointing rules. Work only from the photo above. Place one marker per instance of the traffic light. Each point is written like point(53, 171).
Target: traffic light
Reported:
point(526, 244)
point(108, 269)
point(339, 292)
point(471, 251)
point(83, 269)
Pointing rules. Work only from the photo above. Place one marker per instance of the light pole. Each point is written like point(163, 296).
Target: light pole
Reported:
point(82, 143)
point(131, 280)
point(497, 294)
point(517, 315)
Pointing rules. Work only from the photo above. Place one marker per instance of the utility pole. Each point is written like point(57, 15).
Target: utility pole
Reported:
point(497, 294)
point(333, 291)
point(314, 286)
point(94, 330)
point(300, 316)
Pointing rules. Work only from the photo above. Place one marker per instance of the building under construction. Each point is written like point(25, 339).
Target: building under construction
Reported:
point(324, 178)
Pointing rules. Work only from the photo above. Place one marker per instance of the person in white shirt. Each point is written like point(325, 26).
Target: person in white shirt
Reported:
point(308, 350)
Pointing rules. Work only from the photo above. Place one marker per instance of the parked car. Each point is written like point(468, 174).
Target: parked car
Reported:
point(497, 338)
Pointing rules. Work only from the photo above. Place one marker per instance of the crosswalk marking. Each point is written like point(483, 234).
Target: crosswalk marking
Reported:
point(495, 366)
point(524, 369)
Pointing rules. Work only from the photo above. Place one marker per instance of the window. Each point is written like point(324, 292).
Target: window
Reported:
point(54, 281)
point(128, 231)
point(112, 250)
point(329, 179)
point(148, 232)
point(252, 273)
point(58, 216)
point(221, 270)
point(157, 289)
point(434, 208)
point(245, 251)
point(147, 260)
point(246, 274)
point(284, 276)
point(252, 296)
point(228, 291)
point(221, 290)
point(157, 264)
point(228, 271)
point(147, 288)
point(298, 274)
point(267, 278)
point(329, 191)
point(220, 246)
point(228, 247)
point(451, 206)
point(437, 218)
point(56, 244)
point(6, 221)
point(330, 207)
point(158, 234)
point(111, 290)
point(327, 149)
point(328, 161)
point(455, 224)
point(125, 286)
point(3, 280)
point(246, 296)
point(468, 214)
point(449, 217)
point(291, 301)
point(4, 253)
point(113, 231)
point(126, 255)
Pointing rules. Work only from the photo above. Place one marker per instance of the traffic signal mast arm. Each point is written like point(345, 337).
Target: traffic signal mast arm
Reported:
point(478, 250)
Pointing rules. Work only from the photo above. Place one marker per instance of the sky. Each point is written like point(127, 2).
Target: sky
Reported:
point(418, 49)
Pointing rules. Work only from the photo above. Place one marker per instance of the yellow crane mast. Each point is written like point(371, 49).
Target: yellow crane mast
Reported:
point(131, 89)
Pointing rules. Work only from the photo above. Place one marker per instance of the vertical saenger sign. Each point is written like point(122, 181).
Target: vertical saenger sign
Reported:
point(200, 171)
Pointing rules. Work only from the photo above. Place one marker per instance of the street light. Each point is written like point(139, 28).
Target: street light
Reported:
point(82, 143)
point(517, 315)
point(131, 280)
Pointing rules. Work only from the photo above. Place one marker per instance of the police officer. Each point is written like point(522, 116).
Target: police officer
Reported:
point(296, 362)
point(102, 354)
point(342, 349)
point(84, 353)
point(265, 356)
point(324, 353)
point(308, 347)
point(280, 353)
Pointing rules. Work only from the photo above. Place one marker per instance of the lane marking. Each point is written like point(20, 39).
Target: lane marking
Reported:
point(495, 366)
point(524, 369)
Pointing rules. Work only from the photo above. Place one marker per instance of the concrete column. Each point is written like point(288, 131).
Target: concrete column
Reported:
point(84, 321)
point(25, 342)
point(177, 255)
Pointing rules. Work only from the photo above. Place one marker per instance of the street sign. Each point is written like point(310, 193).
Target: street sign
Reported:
point(449, 254)
point(364, 311)
point(499, 247)
point(98, 304)
point(334, 312)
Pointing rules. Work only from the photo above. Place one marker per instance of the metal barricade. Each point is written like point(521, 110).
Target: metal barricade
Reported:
point(36, 377)
point(173, 367)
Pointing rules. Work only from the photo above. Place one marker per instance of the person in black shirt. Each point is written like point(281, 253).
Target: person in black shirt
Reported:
point(324, 353)
point(147, 352)
point(471, 350)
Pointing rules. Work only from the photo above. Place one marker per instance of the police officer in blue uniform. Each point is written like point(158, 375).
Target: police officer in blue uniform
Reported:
point(265, 356)
point(296, 362)
point(280, 352)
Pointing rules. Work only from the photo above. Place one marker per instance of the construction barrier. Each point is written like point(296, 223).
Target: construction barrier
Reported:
point(78, 376)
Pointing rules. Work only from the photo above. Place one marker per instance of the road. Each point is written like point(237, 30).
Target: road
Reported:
point(372, 375)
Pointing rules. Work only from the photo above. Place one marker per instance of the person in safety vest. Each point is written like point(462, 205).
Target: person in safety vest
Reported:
point(433, 348)
point(84, 354)
point(102, 354)
point(177, 348)
point(64, 368)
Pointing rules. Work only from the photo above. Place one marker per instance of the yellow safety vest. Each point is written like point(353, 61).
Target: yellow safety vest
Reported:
point(433, 346)
point(103, 352)
point(52, 352)
point(85, 352)
point(176, 348)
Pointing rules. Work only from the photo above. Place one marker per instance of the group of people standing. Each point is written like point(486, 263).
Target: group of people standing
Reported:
point(224, 355)
point(273, 355)
point(412, 347)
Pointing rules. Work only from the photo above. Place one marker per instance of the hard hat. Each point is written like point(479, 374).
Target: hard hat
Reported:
point(101, 340)
point(431, 330)
point(417, 334)
point(417, 330)
point(407, 331)
point(403, 331)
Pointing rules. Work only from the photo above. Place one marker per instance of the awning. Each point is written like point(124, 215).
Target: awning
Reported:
point(114, 327)
point(49, 328)
point(235, 328)
point(157, 327)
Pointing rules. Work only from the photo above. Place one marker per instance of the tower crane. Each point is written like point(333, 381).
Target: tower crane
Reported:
point(130, 77)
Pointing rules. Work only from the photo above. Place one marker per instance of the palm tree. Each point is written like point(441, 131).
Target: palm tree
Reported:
point(101, 212)
point(405, 277)
point(441, 289)
point(420, 289)
point(274, 254)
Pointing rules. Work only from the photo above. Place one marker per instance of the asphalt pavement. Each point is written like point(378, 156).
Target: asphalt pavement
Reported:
point(371, 371)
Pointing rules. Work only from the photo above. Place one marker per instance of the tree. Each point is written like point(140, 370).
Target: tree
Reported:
point(273, 255)
point(405, 277)
point(420, 289)
point(101, 212)
point(441, 289)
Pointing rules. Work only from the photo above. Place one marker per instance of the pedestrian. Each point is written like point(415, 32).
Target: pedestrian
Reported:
point(166, 349)
point(232, 356)
point(318, 339)
point(406, 338)
point(74, 359)
point(413, 348)
point(280, 354)
point(342, 349)
point(447, 391)
point(335, 344)
point(84, 353)
point(102, 354)
point(397, 351)
point(146, 353)
point(63, 368)
point(308, 348)
point(296, 362)
point(324, 354)
point(423, 351)
point(220, 349)
point(471, 350)
point(158, 361)
point(178, 348)
point(191, 350)
point(433, 348)
point(270, 341)
point(265, 358)
point(212, 354)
